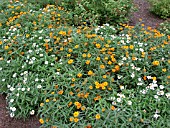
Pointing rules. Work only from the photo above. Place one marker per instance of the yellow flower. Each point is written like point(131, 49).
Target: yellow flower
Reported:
point(90, 72)
point(76, 46)
point(83, 108)
point(73, 79)
point(103, 109)
point(6, 47)
point(70, 50)
point(70, 61)
point(47, 100)
point(104, 76)
point(0, 42)
point(41, 104)
point(97, 116)
point(91, 87)
point(131, 46)
point(109, 62)
point(155, 63)
point(98, 58)
point(62, 33)
point(76, 114)
point(88, 55)
point(98, 45)
point(164, 70)
point(84, 55)
point(41, 121)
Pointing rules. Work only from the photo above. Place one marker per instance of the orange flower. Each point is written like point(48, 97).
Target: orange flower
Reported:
point(76, 120)
point(60, 92)
point(117, 67)
point(41, 121)
point(79, 75)
point(88, 62)
point(102, 66)
point(113, 108)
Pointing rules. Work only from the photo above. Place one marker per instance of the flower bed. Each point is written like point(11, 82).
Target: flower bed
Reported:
point(101, 76)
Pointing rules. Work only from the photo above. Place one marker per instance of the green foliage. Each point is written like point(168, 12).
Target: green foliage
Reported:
point(165, 27)
point(99, 11)
point(161, 8)
point(97, 76)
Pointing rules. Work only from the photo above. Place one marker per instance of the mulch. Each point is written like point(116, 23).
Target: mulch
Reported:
point(143, 13)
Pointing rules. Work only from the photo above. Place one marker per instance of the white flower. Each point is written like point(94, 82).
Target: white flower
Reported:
point(149, 77)
point(52, 64)
point(28, 89)
point(140, 84)
point(42, 80)
point(46, 62)
point(8, 61)
point(119, 99)
point(156, 96)
point(23, 89)
point(113, 103)
point(168, 95)
point(139, 79)
point(18, 89)
point(160, 93)
point(132, 75)
point(41, 55)
point(11, 115)
point(36, 79)
point(29, 51)
point(12, 89)
point(58, 73)
point(33, 58)
point(0, 68)
point(3, 80)
point(141, 49)
point(14, 75)
point(11, 100)
point(119, 76)
point(17, 94)
point(161, 87)
point(40, 38)
point(39, 86)
point(156, 115)
point(8, 86)
point(122, 87)
point(129, 102)
point(13, 109)
point(32, 112)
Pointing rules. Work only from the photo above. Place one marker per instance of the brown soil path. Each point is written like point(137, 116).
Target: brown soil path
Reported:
point(143, 13)
point(7, 122)
point(147, 18)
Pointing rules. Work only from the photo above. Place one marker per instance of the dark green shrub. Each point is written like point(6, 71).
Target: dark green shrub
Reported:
point(98, 11)
point(160, 8)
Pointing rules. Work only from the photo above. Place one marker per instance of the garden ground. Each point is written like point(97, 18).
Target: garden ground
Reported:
point(147, 18)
